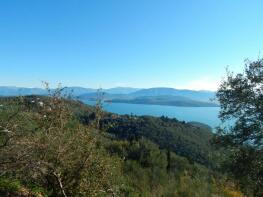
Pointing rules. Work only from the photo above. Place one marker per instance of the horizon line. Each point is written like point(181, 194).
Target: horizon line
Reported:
point(32, 87)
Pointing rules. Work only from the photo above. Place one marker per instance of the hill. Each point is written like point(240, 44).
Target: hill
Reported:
point(75, 91)
point(159, 96)
point(191, 141)
point(201, 95)
point(165, 100)
point(51, 146)
point(151, 96)
point(16, 91)
point(20, 91)
point(120, 90)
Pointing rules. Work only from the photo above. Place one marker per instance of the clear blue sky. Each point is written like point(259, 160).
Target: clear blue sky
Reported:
point(138, 43)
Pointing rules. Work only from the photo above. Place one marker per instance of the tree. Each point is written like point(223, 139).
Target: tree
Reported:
point(99, 108)
point(241, 101)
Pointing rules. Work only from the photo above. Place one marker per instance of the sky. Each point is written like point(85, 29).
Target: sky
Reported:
point(128, 43)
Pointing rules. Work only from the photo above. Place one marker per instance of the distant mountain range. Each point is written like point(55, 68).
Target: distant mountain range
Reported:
point(17, 91)
point(151, 96)
point(191, 94)
point(166, 100)
point(75, 91)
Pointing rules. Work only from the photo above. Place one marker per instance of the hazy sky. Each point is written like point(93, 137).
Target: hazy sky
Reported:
point(137, 43)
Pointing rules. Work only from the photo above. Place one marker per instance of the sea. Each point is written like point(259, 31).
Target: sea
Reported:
point(206, 115)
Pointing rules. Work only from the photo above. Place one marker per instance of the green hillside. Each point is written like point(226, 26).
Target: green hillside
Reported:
point(50, 146)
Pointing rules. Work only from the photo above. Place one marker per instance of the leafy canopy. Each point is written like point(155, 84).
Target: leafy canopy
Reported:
point(241, 101)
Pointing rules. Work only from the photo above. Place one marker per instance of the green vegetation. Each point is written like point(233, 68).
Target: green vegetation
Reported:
point(241, 99)
point(182, 138)
point(43, 143)
point(12, 187)
point(51, 146)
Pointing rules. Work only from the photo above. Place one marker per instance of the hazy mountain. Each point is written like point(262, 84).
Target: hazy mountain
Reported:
point(158, 96)
point(121, 90)
point(201, 95)
point(16, 91)
point(166, 100)
point(105, 95)
point(76, 91)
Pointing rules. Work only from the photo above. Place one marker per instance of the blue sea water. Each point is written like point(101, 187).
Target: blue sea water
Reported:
point(207, 115)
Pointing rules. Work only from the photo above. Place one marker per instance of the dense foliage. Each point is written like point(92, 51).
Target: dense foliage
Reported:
point(184, 139)
point(42, 143)
point(241, 99)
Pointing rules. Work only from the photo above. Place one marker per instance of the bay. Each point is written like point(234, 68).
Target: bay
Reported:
point(206, 115)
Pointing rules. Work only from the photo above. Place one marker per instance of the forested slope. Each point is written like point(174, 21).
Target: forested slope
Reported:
point(56, 147)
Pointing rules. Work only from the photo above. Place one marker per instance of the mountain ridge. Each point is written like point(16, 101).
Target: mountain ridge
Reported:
point(152, 96)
